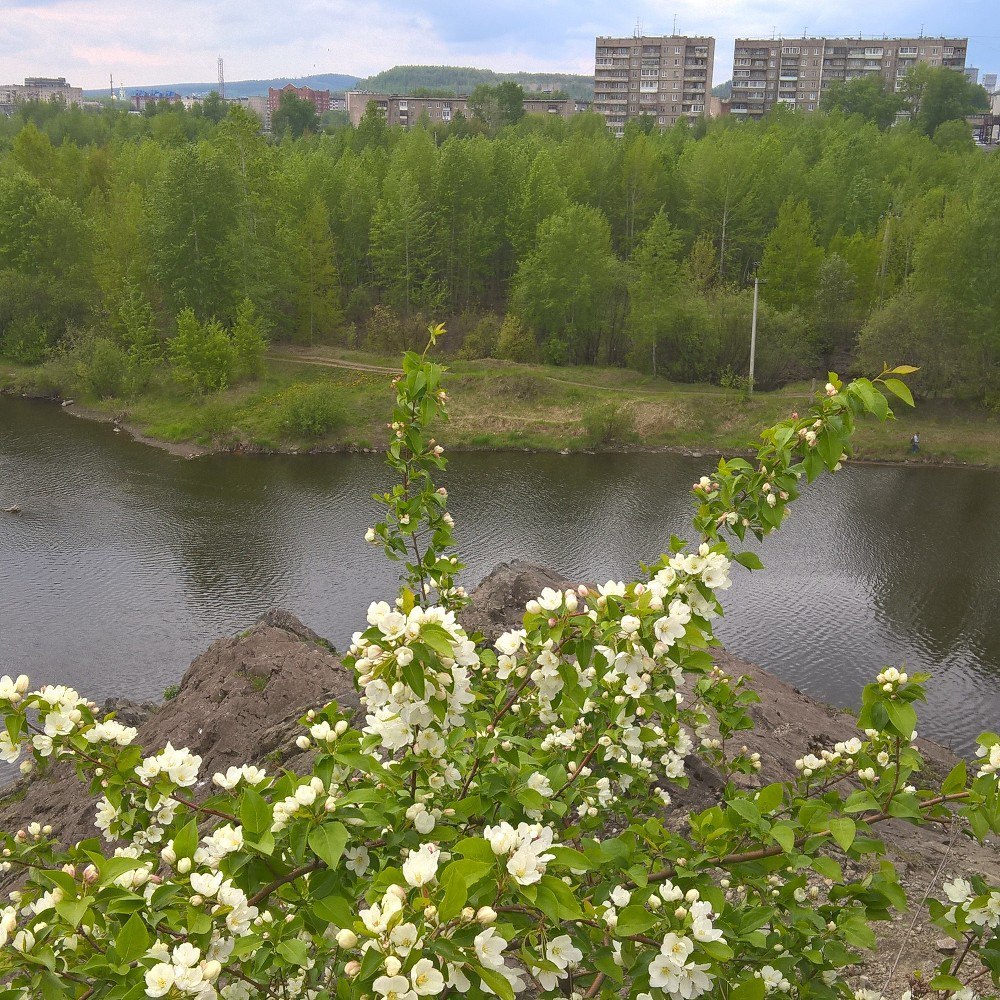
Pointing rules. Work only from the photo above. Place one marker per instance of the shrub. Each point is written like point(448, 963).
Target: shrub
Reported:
point(481, 339)
point(202, 354)
point(312, 410)
point(608, 423)
point(104, 369)
point(515, 342)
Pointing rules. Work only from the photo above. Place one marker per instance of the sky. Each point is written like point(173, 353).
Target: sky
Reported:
point(158, 42)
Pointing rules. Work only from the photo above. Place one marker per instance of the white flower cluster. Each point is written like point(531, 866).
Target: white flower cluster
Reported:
point(524, 846)
point(890, 679)
point(185, 972)
point(397, 715)
point(774, 980)
point(304, 797)
point(964, 898)
point(841, 756)
point(990, 755)
point(234, 775)
point(673, 973)
point(564, 955)
point(179, 765)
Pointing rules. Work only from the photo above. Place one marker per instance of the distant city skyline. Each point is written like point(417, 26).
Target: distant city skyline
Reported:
point(157, 43)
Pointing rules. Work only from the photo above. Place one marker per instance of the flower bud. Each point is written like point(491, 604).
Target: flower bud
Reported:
point(486, 915)
point(184, 865)
point(352, 969)
point(346, 938)
point(392, 965)
point(303, 743)
point(210, 970)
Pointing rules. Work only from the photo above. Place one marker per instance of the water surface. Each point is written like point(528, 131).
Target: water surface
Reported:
point(127, 562)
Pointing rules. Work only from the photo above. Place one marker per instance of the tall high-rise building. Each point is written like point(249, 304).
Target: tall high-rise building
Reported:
point(667, 76)
point(990, 82)
point(795, 71)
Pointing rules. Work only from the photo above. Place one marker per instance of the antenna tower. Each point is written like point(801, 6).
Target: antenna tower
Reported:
point(675, 25)
point(112, 78)
point(638, 28)
point(222, 81)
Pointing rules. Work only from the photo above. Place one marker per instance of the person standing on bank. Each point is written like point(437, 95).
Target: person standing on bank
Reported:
point(914, 444)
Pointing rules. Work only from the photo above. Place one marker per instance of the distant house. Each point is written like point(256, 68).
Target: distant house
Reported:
point(142, 98)
point(320, 99)
point(401, 109)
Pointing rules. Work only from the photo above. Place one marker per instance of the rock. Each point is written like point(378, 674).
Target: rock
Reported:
point(12, 510)
point(128, 713)
point(497, 604)
point(67, 402)
point(946, 946)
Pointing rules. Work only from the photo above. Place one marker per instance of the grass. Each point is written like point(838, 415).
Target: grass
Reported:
point(498, 405)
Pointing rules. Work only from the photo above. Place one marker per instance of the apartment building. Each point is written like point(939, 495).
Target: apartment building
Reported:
point(39, 88)
point(320, 99)
point(406, 111)
point(795, 72)
point(668, 77)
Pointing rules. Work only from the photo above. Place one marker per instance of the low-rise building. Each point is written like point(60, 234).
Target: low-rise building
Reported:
point(400, 109)
point(39, 88)
point(771, 72)
point(142, 98)
point(320, 99)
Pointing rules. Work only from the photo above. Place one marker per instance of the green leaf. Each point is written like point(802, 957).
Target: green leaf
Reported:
point(752, 989)
point(133, 939)
point(784, 835)
point(455, 894)
point(899, 389)
point(186, 842)
point(293, 950)
point(770, 797)
point(749, 559)
point(495, 981)
point(943, 982)
point(72, 910)
point(437, 638)
point(903, 370)
point(955, 782)
point(634, 920)
point(903, 717)
point(843, 831)
point(255, 813)
point(328, 842)
point(570, 858)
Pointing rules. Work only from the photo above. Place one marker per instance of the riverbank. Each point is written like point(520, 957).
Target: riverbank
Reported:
point(321, 400)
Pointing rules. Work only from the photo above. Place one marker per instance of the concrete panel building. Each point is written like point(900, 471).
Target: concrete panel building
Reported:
point(667, 76)
point(795, 72)
point(400, 109)
point(39, 88)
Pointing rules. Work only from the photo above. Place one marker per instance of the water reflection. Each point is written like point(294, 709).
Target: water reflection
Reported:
point(126, 562)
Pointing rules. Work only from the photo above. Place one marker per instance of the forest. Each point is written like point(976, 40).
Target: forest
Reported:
point(130, 239)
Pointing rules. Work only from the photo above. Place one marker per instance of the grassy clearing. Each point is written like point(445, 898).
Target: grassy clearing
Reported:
point(315, 404)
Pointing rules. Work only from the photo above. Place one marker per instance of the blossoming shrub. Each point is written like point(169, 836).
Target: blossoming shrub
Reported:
point(497, 822)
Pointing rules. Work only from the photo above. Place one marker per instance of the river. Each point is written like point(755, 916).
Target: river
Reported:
point(127, 562)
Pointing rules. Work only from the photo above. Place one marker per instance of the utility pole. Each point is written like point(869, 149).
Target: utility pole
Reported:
point(753, 330)
point(222, 81)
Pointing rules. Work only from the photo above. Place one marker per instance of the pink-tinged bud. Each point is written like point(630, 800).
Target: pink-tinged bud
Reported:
point(90, 874)
point(552, 623)
point(352, 969)
point(582, 590)
point(795, 414)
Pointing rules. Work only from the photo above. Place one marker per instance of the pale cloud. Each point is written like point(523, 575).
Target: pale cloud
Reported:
point(158, 42)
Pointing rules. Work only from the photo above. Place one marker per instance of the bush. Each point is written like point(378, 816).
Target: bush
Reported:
point(26, 341)
point(249, 336)
point(515, 342)
point(202, 354)
point(608, 423)
point(105, 368)
point(481, 339)
point(312, 410)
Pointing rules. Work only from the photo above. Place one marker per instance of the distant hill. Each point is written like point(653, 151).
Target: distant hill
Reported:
point(243, 88)
point(724, 91)
point(463, 79)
